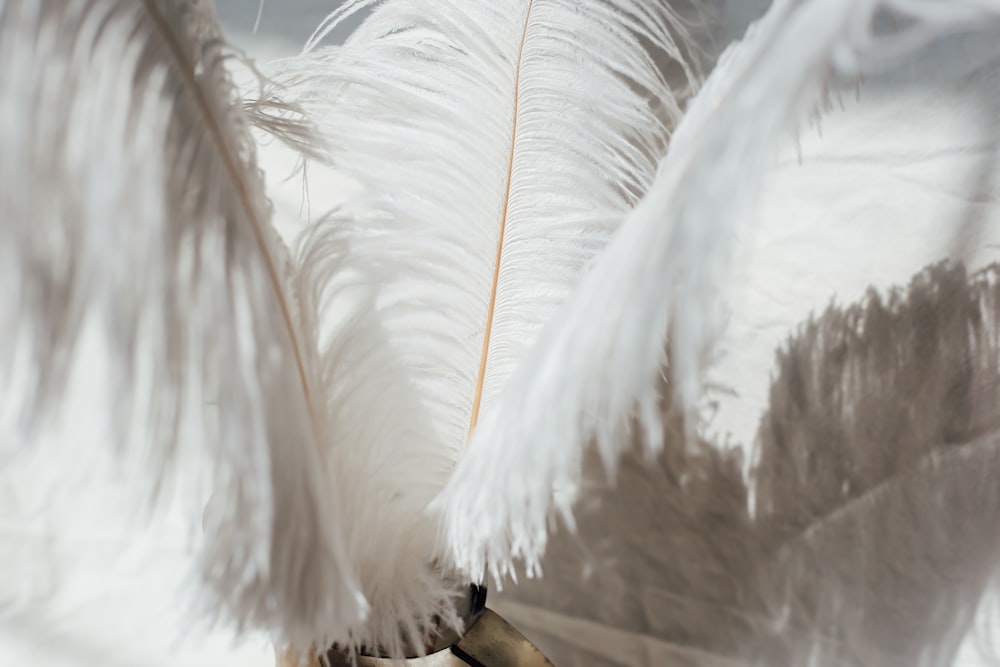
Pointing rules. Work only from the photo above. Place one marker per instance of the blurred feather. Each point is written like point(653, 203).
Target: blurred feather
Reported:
point(143, 286)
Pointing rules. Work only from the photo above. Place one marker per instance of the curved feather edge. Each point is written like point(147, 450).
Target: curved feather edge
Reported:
point(585, 382)
point(149, 303)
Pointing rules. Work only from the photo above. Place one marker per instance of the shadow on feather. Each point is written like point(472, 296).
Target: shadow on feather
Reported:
point(867, 534)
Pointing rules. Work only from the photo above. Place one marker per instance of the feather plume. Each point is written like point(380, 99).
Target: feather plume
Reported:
point(497, 152)
point(493, 149)
point(147, 300)
point(583, 382)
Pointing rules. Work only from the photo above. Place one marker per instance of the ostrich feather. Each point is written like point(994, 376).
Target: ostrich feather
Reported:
point(148, 303)
point(584, 381)
point(493, 149)
point(490, 294)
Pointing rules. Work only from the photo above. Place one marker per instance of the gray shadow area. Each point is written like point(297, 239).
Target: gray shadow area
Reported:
point(290, 22)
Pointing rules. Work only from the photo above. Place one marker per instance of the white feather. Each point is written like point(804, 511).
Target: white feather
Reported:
point(496, 147)
point(596, 364)
point(146, 299)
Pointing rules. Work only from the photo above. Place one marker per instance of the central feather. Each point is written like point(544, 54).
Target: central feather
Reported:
point(493, 148)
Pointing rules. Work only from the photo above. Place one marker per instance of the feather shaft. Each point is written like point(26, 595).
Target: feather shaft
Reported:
point(491, 309)
point(264, 243)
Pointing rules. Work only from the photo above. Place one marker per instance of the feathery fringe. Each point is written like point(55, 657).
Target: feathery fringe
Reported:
point(583, 382)
point(494, 148)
